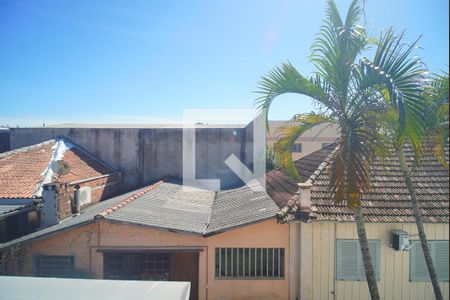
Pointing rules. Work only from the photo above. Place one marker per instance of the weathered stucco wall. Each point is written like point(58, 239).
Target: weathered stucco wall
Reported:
point(84, 242)
point(317, 277)
point(4, 140)
point(267, 234)
point(149, 154)
point(77, 242)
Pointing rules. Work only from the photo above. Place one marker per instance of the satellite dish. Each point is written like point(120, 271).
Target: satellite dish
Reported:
point(61, 167)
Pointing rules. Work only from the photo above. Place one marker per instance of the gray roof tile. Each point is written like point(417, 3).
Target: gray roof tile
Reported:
point(6, 210)
point(167, 205)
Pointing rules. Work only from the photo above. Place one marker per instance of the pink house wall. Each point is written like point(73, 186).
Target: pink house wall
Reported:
point(83, 242)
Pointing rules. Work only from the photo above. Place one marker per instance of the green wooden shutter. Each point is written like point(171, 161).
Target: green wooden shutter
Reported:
point(440, 259)
point(349, 263)
point(374, 249)
point(418, 266)
point(346, 260)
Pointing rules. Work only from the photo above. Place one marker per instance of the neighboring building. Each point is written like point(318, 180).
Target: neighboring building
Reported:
point(230, 244)
point(227, 244)
point(329, 262)
point(26, 179)
point(4, 140)
point(312, 140)
point(147, 153)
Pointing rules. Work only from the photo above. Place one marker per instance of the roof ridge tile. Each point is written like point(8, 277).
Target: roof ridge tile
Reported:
point(127, 200)
point(322, 166)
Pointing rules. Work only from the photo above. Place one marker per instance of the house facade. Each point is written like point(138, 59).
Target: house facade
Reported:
point(327, 250)
point(27, 176)
point(288, 242)
point(320, 251)
point(227, 244)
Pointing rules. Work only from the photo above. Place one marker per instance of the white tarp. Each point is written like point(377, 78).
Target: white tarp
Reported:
point(37, 288)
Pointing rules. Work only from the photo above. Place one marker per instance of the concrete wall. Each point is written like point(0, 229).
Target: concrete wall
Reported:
point(4, 140)
point(149, 154)
point(317, 252)
point(84, 242)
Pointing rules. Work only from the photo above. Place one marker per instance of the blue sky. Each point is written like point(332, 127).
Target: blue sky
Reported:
point(145, 61)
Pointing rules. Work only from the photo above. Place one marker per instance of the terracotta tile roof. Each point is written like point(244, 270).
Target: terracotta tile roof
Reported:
point(83, 165)
point(24, 170)
point(388, 199)
point(281, 188)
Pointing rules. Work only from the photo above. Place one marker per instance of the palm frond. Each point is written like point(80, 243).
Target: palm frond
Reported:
point(402, 75)
point(438, 115)
point(288, 135)
point(350, 167)
point(286, 79)
point(336, 47)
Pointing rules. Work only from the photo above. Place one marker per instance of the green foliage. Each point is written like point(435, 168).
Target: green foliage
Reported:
point(289, 134)
point(437, 93)
point(400, 78)
point(370, 100)
point(271, 163)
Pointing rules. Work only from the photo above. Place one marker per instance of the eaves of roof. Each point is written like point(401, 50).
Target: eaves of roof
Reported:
point(163, 206)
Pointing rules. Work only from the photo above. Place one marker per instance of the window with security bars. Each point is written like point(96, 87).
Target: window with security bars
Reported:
point(255, 263)
point(137, 266)
point(54, 266)
point(439, 255)
point(349, 264)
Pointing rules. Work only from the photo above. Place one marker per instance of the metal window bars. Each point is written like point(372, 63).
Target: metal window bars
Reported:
point(251, 263)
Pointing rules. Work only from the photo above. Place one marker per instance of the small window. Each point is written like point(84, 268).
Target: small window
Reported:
point(297, 147)
point(137, 266)
point(439, 255)
point(54, 266)
point(349, 264)
point(255, 263)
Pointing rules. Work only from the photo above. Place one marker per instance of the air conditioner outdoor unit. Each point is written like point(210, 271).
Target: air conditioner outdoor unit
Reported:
point(400, 240)
point(85, 195)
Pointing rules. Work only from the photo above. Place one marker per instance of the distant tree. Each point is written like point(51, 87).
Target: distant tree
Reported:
point(271, 163)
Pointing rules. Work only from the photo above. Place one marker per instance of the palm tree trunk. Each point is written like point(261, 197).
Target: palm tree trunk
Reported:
point(364, 245)
point(419, 223)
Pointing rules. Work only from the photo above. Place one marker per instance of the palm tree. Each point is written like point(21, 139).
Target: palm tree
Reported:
point(339, 86)
point(357, 94)
point(438, 95)
point(401, 80)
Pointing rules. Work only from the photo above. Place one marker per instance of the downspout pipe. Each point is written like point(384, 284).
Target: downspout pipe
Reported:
point(76, 201)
